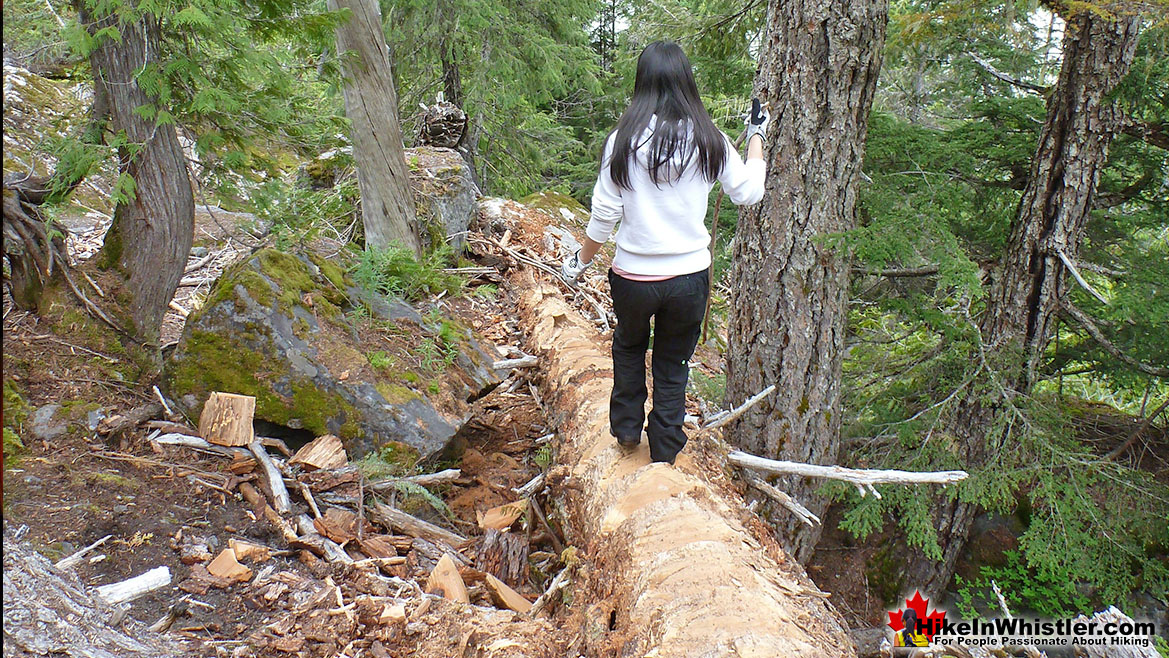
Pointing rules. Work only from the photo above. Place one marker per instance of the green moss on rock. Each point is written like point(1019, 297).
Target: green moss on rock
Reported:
point(396, 393)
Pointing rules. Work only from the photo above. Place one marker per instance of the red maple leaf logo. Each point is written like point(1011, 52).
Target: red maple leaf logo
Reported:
point(930, 624)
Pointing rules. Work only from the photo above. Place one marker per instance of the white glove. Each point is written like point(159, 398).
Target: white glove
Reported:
point(572, 267)
point(757, 121)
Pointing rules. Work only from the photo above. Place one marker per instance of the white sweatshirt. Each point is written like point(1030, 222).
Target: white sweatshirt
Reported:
point(662, 229)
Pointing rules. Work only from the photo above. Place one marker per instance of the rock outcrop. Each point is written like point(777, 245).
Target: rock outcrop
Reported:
point(323, 355)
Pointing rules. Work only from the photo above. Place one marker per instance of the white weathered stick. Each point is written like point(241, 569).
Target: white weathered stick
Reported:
point(860, 477)
point(532, 488)
point(1079, 279)
point(188, 441)
point(781, 497)
point(308, 534)
point(522, 362)
point(741, 409)
point(76, 558)
point(132, 588)
point(280, 499)
point(558, 583)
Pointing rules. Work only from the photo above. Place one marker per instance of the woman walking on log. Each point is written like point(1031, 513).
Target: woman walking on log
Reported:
point(657, 169)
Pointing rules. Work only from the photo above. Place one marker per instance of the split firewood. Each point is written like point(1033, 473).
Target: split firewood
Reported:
point(138, 586)
point(395, 518)
point(248, 551)
point(280, 499)
point(445, 580)
point(377, 546)
point(225, 565)
point(324, 480)
point(325, 451)
point(505, 596)
point(499, 518)
point(337, 524)
point(227, 419)
point(393, 613)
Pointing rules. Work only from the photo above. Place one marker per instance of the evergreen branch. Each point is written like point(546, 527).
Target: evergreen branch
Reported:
point(1154, 133)
point(1086, 322)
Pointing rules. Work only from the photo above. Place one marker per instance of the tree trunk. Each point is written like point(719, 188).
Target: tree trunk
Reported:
point(818, 69)
point(668, 566)
point(1025, 297)
point(148, 242)
point(371, 103)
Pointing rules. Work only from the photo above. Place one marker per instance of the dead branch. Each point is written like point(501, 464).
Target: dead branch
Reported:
point(76, 558)
point(138, 586)
point(781, 497)
point(275, 481)
point(901, 272)
point(558, 583)
point(1086, 322)
point(1015, 82)
point(522, 362)
point(1132, 438)
point(1079, 279)
point(860, 477)
point(411, 525)
point(739, 410)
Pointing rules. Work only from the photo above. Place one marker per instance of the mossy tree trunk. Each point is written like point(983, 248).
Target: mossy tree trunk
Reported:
point(149, 240)
point(818, 68)
point(1032, 280)
point(371, 104)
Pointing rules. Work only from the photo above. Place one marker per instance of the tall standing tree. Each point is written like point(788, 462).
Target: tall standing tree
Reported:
point(371, 104)
point(1033, 279)
point(154, 219)
point(818, 68)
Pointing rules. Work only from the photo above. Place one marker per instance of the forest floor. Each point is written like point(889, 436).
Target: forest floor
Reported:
point(176, 507)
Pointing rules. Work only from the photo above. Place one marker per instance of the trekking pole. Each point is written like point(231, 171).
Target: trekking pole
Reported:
point(714, 245)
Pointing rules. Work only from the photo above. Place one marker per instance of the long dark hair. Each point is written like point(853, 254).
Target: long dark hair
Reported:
point(665, 86)
point(909, 618)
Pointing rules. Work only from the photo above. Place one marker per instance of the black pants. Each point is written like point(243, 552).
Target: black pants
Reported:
point(677, 306)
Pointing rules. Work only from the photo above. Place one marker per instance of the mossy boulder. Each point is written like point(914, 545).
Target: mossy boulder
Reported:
point(294, 331)
point(561, 206)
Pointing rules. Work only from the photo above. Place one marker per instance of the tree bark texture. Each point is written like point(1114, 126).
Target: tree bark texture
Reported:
point(371, 103)
point(668, 567)
point(818, 69)
point(1025, 297)
point(151, 235)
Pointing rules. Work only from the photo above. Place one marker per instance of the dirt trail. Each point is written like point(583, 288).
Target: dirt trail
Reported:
point(672, 568)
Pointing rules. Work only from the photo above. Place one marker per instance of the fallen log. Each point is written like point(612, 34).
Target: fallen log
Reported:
point(668, 563)
point(50, 612)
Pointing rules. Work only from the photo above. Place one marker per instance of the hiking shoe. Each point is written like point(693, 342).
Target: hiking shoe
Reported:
point(628, 442)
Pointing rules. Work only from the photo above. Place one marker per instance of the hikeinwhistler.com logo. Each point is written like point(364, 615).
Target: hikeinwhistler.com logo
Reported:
point(916, 625)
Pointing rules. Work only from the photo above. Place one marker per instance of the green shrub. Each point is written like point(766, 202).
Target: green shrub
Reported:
point(395, 271)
